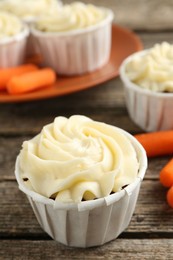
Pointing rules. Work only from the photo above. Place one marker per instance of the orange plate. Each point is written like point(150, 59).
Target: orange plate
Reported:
point(124, 43)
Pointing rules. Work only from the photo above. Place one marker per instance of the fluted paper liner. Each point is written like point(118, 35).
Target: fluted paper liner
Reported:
point(78, 51)
point(13, 49)
point(150, 110)
point(89, 223)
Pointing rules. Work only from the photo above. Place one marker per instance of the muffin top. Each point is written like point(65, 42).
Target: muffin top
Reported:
point(71, 17)
point(153, 70)
point(78, 159)
point(29, 8)
point(10, 25)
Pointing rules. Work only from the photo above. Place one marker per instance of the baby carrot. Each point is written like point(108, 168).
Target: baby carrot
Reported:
point(8, 73)
point(166, 174)
point(31, 81)
point(169, 197)
point(157, 143)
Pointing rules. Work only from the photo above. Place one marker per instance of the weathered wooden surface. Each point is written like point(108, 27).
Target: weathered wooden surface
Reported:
point(160, 249)
point(150, 233)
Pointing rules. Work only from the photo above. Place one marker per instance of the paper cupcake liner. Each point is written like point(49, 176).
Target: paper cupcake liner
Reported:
point(78, 51)
point(13, 49)
point(149, 110)
point(89, 223)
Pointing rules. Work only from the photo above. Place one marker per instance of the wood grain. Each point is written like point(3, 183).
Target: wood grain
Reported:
point(132, 249)
point(104, 103)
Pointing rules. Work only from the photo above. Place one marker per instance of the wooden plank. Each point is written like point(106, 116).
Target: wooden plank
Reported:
point(135, 14)
point(10, 148)
point(132, 249)
point(152, 217)
point(105, 99)
point(107, 116)
point(103, 103)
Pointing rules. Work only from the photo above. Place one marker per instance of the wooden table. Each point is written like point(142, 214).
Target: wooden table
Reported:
point(150, 233)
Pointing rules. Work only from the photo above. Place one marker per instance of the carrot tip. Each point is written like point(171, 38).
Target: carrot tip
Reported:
point(169, 197)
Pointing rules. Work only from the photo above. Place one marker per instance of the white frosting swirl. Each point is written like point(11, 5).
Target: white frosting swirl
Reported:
point(70, 17)
point(154, 69)
point(78, 158)
point(30, 8)
point(10, 25)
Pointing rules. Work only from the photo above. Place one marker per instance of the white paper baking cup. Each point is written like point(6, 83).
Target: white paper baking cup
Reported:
point(152, 111)
point(89, 223)
point(78, 51)
point(13, 49)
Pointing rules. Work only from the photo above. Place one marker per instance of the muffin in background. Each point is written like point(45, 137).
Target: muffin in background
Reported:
point(76, 40)
point(148, 85)
point(13, 40)
point(29, 11)
point(82, 179)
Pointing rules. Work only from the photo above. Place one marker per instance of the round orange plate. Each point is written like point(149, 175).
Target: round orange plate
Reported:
point(124, 43)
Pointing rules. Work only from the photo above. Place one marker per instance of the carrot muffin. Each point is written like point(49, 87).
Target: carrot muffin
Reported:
point(77, 39)
point(148, 82)
point(76, 168)
point(29, 11)
point(13, 39)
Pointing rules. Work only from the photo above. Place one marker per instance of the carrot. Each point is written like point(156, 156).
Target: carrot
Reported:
point(8, 73)
point(157, 143)
point(169, 197)
point(166, 174)
point(31, 81)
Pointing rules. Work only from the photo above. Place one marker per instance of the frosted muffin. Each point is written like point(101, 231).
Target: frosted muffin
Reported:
point(77, 39)
point(148, 82)
point(13, 39)
point(29, 11)
point(77, 169)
